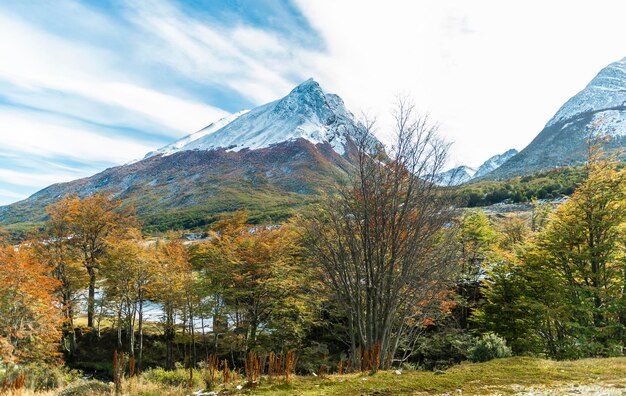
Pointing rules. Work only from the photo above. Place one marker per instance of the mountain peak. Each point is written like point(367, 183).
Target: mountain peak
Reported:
point(455, 176)
point(306, 89)
point(494, 162)
point(309, 83)
point(599, 107)
point(305, 113)
point(606, 91)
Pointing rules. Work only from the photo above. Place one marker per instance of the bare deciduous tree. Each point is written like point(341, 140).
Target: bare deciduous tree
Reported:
point(381, 239)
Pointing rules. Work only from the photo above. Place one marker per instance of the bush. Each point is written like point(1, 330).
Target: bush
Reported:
point(40, 376)
point(440, 350)
point(312, 357)
point(177, 377)
point(489, 346)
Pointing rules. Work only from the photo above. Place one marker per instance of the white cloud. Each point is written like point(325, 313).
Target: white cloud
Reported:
point(10, 195)
point(251, 61)
point(31, 179)
point(41, 61)
point(37, 135)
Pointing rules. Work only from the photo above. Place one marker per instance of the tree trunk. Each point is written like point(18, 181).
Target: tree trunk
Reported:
point(253, 331)
point(194, 356)
point(68, 331)
point(131, 329)
point(119, 328)
point(204, 339)
point(91, 302)
point(169, 338)
point(353, 352)
point(140, 351)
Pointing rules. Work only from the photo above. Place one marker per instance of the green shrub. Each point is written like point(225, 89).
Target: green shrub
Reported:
point(489, 346)
point(40, 376)
point(440, 350)
point(177, 377)
point(311, 357)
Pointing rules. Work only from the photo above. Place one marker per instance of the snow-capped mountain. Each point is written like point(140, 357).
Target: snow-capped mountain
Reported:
point(600, 108)
point(455, 176)
point(270, 159)
point(463, 174)
point(306, 113)
point(606, 94)
point(180, 144)
point(494, 163)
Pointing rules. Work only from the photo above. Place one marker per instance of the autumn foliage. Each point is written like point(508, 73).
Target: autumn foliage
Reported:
point(29, 316)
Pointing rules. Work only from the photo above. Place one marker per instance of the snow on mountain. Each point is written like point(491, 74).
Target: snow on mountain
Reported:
point(600, 108)
point(494, 162)
point(463, 174)
point(455, 176)
point(306, 112)
point(179, 144)
point(606, 91)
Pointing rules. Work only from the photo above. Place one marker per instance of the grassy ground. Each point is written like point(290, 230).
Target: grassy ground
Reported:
point(502, 376)
point(518, 375)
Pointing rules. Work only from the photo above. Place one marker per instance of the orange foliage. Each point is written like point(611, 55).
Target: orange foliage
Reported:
point(30, 321)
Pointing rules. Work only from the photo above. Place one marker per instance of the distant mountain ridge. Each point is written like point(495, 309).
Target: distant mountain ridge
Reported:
point(494, 163)
point(463, 174)
point(269, 159)
point(600, 106)
point(455, 176)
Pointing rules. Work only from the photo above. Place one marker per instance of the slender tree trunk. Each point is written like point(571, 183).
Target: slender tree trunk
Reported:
point(169, 337)
point(253, 331)
point(99, 321)
point(69, 332)
point(352, 339)
point(140, 329)
point(204, 339)
point(132, 310)
point(194, 357)
point(119, 328)
point(186, 360)
point(216, 323)
point(91, 301)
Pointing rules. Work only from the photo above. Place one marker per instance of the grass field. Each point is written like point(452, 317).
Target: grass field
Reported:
point(517, 375)
point(502, 376)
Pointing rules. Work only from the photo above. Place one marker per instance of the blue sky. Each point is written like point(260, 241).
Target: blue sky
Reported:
point(85, 85)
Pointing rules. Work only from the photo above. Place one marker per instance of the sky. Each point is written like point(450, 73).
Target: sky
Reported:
point(86, 85)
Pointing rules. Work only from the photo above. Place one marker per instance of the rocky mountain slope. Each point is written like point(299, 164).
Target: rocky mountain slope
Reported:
point(267, 160)
point(494, 163)
point(599, 108)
